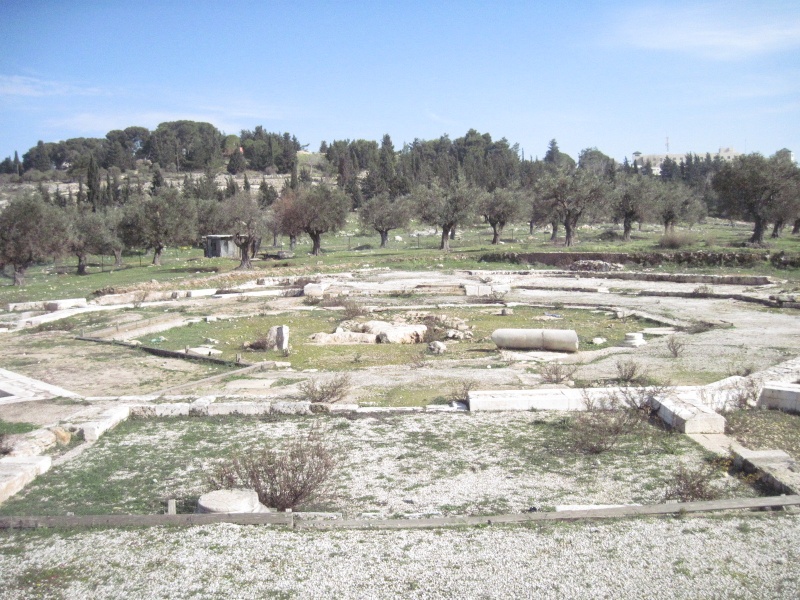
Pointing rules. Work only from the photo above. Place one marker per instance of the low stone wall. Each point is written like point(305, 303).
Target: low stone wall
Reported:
point(648, 259)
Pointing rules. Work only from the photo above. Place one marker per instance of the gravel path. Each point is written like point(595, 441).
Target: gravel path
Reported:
point(742, 556)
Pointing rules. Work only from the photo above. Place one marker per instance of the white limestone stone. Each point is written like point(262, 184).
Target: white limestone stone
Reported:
point(231, 501)
point(239, 408)
point(633, 340)
point(203, 351)
point(315, 290)
point(559, 340)
point(780, 396)
point(54, 305)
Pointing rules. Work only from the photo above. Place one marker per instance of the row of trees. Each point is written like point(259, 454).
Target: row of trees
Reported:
point(557, 191)
point(175, 146)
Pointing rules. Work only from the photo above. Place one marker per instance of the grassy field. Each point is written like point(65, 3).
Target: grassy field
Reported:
point(352, 248)
point(463, 464)
point(233, 333)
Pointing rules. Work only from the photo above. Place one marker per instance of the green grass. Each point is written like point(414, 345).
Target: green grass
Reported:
point(137, 466)
point(232, 334)
point(180, 266)
point(766, 430)
point(7, 427)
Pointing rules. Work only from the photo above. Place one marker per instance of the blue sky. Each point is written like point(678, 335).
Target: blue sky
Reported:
point(620, 76)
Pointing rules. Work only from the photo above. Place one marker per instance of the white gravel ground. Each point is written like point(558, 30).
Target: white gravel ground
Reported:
point(743, 556)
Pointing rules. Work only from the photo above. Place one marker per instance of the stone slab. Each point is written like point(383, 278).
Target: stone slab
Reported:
point(109, 419)
point(54, 305)
point(18, 471)
point(780, 396)
point(523, 400)
point(688, 415)
point(231, 501)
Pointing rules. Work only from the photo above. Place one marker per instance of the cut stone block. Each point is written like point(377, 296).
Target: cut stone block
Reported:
point(344, 337)
point(18, 471)
point(55, 305)
point(559, 340)
point(478, 290)
point(32, 443)
point(203, 351)
point(108, 420)
point(523, 400)
point(278, 337)
point(567, 507)
point(231, 501)
point(291, 408)
point(688, 415)
point(315, 290)
point(633, 340)
point(780, 396)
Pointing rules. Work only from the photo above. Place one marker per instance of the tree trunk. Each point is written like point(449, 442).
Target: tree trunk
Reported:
point(453, 232)
point(384, 238)
point(292, 242)
point(497, 228)
point(569, 232)
point(157, 255)
point(530, 227)
point(274, 239)
point(554, 235)
point(627, 227)
point(117, 258)
point(315, 243)
point(19, 276)
point(81, 264)
point(445, 245)
point(796, 227)
point(777, 228)
point(244, 252)
point(758, 231)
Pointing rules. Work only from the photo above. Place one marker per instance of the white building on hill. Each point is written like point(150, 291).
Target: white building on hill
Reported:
point(655, 160)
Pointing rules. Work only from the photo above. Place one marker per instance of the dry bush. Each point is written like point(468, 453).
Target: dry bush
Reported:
point(600, 427)
point(676, 346)
point(261, 343)
point(556, 372)
point(688, 484)
point(334, 389)
point(418, 361)
point(676, 240)
point(434, 332)
point(629, 371)
point(283, 478)
point(460, 391)
point(353, 309)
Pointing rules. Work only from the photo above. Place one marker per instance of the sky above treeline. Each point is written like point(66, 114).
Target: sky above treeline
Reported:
point(619, 76)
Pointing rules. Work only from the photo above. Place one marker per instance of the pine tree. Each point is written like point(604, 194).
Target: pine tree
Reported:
point(246, 184)
point(93, 193)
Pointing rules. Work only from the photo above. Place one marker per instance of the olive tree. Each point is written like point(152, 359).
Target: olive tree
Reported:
point(31, 231)
point(318, 210)
point(571, 195)
point(446, 206)
point(383, 214)
point(499, 208)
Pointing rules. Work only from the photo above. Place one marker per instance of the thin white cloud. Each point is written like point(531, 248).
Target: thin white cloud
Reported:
point(436, 118)
point(716, 31)
point(21, 86)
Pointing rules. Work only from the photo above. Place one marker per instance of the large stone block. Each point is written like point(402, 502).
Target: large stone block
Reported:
point(780, 396)
point(107, 420)
point(18, 471)
point(688, 415)
point(558, 340)
point(231, 501)
point(55, 305)
point(315, 290)
point(523, 400)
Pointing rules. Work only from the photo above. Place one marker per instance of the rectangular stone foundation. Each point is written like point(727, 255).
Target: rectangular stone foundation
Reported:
point(780, 396)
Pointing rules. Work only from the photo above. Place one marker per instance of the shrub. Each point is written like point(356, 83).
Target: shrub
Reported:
point(675, 240)
point(687, 484)
point(629, 371)
point(600, 427)
point(353, 309)
point(676, 346)
point(283, 478)
point(556, 372)
point(334, 389)
point(460, 391)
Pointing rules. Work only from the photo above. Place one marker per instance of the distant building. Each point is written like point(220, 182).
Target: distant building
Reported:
point(655, 160)
point(221, 246)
